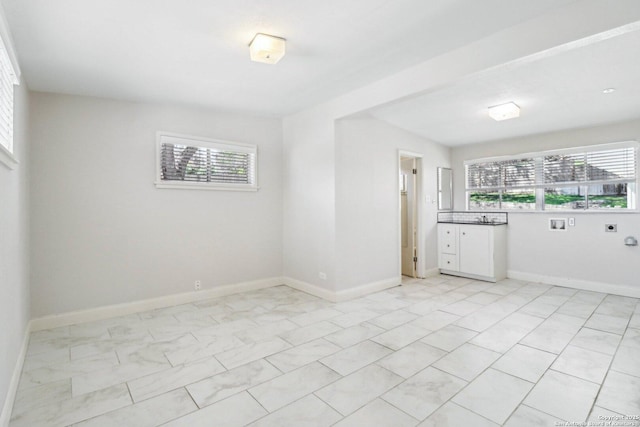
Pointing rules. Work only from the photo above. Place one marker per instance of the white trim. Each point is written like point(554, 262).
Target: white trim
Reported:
point(7, 41)
point(202, 186)
point(310, 288)
point(368, 288)
point(9, 400)
point(7, 158)
point(345, 295)
point(420, 210)
point(585, 285)
point(109, 311)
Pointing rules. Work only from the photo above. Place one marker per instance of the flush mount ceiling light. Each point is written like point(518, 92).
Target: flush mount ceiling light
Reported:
point(266, 48)
point(504, 111)
point(609, 90)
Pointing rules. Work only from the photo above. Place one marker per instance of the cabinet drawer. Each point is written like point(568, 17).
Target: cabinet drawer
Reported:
point(448, 239)
point(449, 262)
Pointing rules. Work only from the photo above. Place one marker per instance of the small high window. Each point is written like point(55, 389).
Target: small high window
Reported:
point(201, 163)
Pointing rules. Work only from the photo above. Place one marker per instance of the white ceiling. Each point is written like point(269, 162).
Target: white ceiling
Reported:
point(195, 52)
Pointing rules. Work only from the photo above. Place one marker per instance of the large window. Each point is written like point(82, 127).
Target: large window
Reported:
point(193, 162)
point(602, 177)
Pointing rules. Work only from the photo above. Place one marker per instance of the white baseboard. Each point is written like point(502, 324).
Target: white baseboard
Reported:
point(368, 288)
point(100, 313)
point(344, 295)
point(585, 285)
point(431, 272)
point(5, 415)
point(309, 288)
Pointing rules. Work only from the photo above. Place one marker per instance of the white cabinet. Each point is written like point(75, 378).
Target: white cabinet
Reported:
point(475, 251)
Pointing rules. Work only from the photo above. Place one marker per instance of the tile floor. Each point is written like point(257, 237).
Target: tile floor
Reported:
point(443, 351)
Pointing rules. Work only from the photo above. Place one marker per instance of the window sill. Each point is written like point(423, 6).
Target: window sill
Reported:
point(204, 186)
point(7, 158)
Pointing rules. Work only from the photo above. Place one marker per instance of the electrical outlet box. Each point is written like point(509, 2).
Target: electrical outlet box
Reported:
point(197, 285)
point(611, 228)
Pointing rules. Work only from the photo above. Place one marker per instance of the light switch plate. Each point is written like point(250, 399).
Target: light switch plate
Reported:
point(572, 222)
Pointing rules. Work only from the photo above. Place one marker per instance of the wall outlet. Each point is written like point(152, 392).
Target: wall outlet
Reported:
point(572, 222)
point(322, 275)
point(197, 285)
point(611, 228)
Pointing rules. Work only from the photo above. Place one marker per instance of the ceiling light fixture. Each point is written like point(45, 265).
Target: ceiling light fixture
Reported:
point(504, 111)
point(266, 48)
point(609, 90)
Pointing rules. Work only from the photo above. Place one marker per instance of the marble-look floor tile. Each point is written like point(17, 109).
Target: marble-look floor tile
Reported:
point(287, 388)
point(525, 362)
point(631, 339)
point(170, 379)
point(435, 320)
point(306, 412)
point(411, 359)
point(353, 358)
point(554, 333)
point(57, 372)
point(107, 346)
point(620, 393)
point(225, 384)
point(582, 363)
point(393, 319)
point(309, 333)
point(539, 308)
point(420, 395)
point(354, 334)
point(401, 336)
point(150, 413)
point(197, 351)
point(483, 298)
point(494, 395)
point(268, 330)
point(526, 416)
point(507, 332)
point(301, 355)
point(306, 319)
point(27, 399)
point(563, 396)
point(449, 338)
point(356, 390)
point(251, 352)
point(39, 360)
point(626, 361)
point(76, 409)
point(113, 375)
point(452, 415)
point(235, 411)
point(606, 323)
point(208, 334)
point(355, 317)
point(380, 414)
point(602, 342)
point(462, 308)
point(467, 361)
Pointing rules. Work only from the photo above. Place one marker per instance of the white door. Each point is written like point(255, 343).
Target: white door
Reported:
point(408, 215)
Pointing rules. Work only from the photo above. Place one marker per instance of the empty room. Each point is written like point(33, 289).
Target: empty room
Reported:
point(340, 213)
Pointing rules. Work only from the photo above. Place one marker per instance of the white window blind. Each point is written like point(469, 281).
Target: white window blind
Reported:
point(7, 81)
point(194, 162)
point(596, 177)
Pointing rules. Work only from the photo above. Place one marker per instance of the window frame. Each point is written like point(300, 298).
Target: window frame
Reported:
point(7, 151)
point(540, 185)
point(207, 143)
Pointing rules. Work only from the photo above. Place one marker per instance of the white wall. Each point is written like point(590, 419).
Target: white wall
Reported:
point(103, 234)
point(367, 199)
point(14, 245)
point(584, 252)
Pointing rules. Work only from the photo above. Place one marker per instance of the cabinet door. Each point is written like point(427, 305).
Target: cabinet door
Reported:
point(476, 250)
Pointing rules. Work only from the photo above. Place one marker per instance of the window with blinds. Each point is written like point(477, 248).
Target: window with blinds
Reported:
point(596, 178)
point(7, 81)
point(193, 162)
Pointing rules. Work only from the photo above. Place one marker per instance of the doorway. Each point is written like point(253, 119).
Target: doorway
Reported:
point(409, 215)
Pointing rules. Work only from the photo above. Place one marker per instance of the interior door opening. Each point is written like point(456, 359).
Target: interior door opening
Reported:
point(408, 216)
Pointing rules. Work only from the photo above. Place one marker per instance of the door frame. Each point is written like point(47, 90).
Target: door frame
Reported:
point(420, 210)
